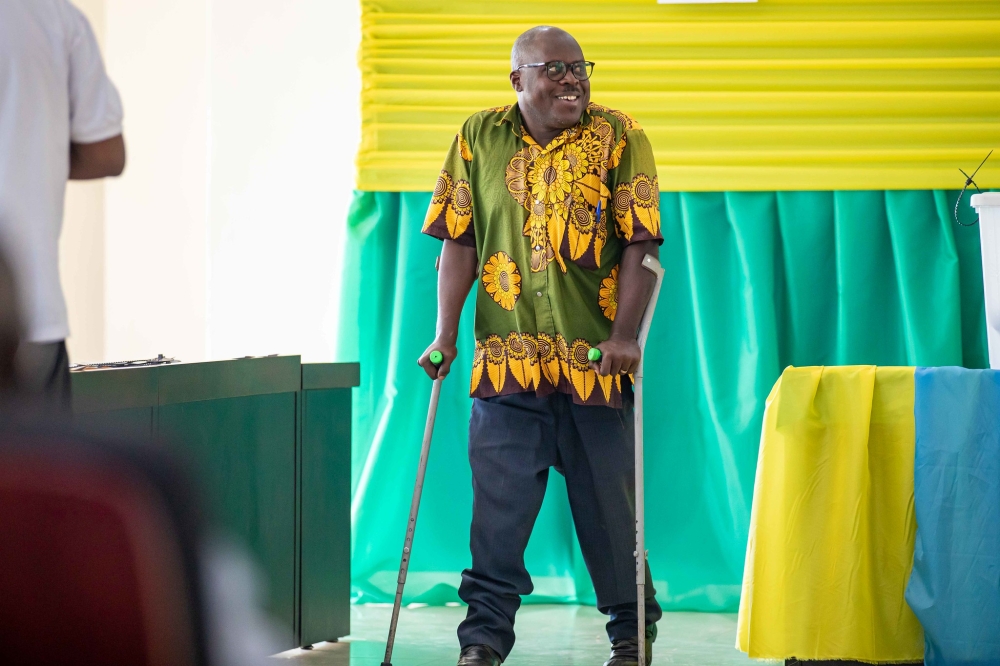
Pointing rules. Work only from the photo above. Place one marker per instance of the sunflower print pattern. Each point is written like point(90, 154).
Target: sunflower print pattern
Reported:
point(544, 364)
point(451, 203)
point(463, 147)
point(561, 188)
point(638, 203)
point(627, 121)
point(502, 280)
point(607, 296)
point(533, 326)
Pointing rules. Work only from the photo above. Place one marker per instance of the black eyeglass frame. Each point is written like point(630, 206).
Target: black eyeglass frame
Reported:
point(586, 66)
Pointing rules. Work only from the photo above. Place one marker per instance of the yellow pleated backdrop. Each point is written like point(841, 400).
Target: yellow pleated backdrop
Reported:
point(774, 95)
point(832, 526)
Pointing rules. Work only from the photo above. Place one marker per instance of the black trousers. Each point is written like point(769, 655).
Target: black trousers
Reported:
point(513, 442)
point(43, 375)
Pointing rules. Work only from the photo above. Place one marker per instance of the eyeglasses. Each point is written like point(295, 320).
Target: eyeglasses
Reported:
point(556, 69)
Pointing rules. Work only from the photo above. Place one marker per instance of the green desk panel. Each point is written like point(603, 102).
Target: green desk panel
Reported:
point(326, 515)
point(134, 423)
point(270, 442)
point(330, 375)
point(188, 382)
point(112, 390)
point(244, 451)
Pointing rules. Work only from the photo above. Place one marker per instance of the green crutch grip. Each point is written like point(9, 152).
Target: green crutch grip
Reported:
point(437, 358)
point(594, 355)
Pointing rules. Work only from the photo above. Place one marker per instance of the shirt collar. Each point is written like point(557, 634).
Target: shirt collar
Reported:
point(513, 116)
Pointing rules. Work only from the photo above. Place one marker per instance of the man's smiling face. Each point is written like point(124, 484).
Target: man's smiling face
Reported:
point(551, 105)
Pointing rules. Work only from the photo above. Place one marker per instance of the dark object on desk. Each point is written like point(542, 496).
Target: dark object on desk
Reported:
point(99, 562)
point(115, 365)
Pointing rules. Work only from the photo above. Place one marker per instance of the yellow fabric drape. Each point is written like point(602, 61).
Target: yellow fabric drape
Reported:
point(832, 526)
point(775, 95)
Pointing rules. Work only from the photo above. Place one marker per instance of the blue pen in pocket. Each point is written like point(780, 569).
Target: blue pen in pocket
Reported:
point(597, 215)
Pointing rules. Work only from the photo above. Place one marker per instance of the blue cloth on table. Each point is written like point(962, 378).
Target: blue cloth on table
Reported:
point(954, 588)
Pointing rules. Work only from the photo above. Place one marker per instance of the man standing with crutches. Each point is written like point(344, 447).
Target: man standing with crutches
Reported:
point(551, 206)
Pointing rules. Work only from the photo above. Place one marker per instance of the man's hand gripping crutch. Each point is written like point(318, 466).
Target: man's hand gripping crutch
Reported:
point(458, 274)
point(436, 357)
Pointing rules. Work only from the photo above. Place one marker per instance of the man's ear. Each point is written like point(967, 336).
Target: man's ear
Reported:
point(515, 81)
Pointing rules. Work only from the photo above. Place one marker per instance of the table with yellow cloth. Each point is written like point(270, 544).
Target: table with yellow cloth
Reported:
point(832, 528)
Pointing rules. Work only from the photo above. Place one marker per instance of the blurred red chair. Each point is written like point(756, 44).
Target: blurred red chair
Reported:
point(98, 561)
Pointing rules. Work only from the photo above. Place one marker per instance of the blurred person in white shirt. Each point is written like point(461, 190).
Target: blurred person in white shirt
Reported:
point(60, 118)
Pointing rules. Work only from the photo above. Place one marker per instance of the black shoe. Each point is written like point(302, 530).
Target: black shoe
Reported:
point(625, 652)
point(479, 655)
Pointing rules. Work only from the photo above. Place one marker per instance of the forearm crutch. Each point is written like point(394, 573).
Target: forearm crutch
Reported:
point(411, 526)
point(651, 264)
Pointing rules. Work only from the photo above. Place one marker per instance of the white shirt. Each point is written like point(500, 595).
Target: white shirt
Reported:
point(53, 91)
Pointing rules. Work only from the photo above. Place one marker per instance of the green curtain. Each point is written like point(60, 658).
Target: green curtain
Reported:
point(755, 281)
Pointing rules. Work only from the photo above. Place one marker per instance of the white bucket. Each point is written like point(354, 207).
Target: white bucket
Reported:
point(987, 204)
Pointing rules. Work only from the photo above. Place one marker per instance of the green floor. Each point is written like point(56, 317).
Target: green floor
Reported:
point(547, 635)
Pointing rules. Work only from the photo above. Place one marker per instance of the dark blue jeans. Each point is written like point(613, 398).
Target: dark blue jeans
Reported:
point(513, 441)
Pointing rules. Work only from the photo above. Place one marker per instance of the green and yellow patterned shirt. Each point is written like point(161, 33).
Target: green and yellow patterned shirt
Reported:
point(549, 224)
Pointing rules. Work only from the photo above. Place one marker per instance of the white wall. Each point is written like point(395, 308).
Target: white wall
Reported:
point(284, 132)
point(81, 247)
point(156, 254)
point(223, 238)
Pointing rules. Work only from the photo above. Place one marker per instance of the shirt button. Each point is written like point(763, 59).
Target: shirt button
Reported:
point(539, 294)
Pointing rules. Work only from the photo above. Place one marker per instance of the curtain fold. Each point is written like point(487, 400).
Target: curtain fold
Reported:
point(755, 281)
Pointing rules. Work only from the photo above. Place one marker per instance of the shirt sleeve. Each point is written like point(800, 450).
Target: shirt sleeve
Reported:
point(636, 191)
point(449, 216)
point(95, 107)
